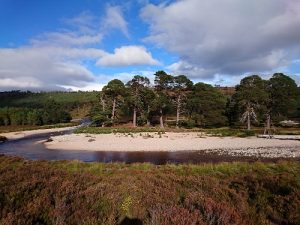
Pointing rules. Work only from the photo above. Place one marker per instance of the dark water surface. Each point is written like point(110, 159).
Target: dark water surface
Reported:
point(32, 148)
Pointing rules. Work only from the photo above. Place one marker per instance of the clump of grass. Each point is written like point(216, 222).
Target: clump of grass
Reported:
point(230, 132)
point(108, 130)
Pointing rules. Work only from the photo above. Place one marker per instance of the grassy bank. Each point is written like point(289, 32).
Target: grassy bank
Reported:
point(222, 132)
point(6, 129)
point(71, 192)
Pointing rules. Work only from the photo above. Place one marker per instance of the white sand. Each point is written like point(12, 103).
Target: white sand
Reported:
point(22, 134)
point(177, 142)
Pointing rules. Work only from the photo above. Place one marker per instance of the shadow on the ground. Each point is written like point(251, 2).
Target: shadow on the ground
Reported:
point(129, 221)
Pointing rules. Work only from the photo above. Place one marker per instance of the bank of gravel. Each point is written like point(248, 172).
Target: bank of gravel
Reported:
point(251, 146)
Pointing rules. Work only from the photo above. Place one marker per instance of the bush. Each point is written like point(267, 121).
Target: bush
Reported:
point(187, 124)
point(225, 132)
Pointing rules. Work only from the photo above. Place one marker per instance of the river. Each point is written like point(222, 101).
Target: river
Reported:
point(32, 147)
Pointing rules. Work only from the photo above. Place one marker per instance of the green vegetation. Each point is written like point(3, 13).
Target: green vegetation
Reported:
point(172, 101)
point(230, 132)
point(78, 104)
point(219, 132)
point(37, 100)
point(110, 130)
point(71, 192)
point(264, 102)
point(50, 113)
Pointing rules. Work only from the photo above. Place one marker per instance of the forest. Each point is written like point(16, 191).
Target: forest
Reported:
point(173, 101)
point(28, 108)
point(177, 101)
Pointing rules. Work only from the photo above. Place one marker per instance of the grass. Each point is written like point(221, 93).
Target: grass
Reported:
point(230, 132)
point(73, 192)
point(122, 130)
point(223, 132)
point(219, 132)
point(5, 129)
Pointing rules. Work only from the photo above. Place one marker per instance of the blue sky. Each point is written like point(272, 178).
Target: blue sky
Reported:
point(82, 44)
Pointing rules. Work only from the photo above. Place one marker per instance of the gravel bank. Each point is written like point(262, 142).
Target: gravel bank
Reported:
point(259, 147)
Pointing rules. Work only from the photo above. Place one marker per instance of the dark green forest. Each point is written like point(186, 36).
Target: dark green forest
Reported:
point(28, 108)
point(173, 101)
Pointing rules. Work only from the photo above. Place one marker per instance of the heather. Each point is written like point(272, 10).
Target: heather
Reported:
point(72, 192)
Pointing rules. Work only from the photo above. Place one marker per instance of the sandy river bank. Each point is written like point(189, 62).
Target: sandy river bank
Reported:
point(252, 146)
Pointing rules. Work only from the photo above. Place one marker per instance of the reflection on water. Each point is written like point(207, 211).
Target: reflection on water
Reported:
point(32, 147)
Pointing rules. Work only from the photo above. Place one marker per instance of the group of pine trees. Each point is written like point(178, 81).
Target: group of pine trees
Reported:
point(179, 102)
point(171, 100)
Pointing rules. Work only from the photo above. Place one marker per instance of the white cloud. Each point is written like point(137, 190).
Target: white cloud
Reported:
point(64, 59)
point(226, 37)
point(114, 20)
point(85, 22)
point(66, 39)
point(35, 68)
point(128, 55)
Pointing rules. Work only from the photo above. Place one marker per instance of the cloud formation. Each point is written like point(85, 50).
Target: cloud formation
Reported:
point(43, 68)
point(63, 59)
point(126, 56)
point(226, 37)
point(114, 19)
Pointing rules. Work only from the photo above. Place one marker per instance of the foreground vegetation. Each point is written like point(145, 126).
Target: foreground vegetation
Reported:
point(71, 192)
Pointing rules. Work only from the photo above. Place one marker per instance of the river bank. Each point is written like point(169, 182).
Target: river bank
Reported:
point(23, 134)
point(171, 142)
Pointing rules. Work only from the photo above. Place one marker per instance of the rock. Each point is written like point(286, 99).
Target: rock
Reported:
point(3, 139)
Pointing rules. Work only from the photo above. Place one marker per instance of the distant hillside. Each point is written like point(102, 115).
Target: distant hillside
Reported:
point(227, 91)
point(77, 103)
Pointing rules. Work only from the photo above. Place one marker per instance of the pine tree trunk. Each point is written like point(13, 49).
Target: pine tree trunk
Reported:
point(113, 110)
point(268, 124)
point(161, 119)
point(134, 117)
point(103, 107)
point(148, 112)
point(178, 111)
point(102, 103)
point(248, 122)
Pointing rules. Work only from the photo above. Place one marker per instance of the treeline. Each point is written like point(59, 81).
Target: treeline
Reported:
point(51, 113)
point(29, 108)
point(177, 101)
point(69, 100)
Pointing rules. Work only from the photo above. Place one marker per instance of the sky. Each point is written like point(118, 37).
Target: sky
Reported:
point(83, 44)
